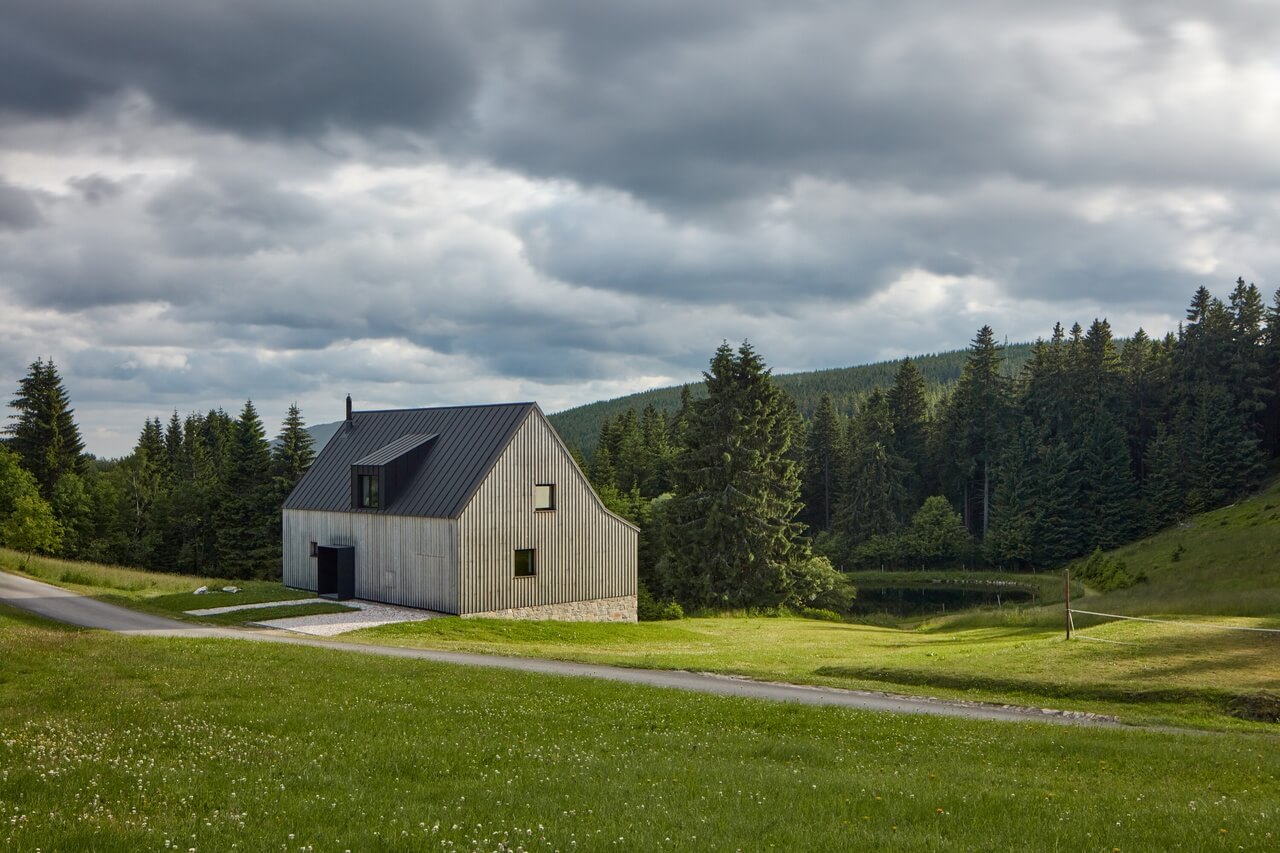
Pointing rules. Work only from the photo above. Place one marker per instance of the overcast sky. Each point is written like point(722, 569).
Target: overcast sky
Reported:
point(418, 203)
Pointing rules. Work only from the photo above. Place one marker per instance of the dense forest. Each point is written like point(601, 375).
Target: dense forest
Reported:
point(745, 498)
point(846, 386)
point(199, 494)
point(1088, 445)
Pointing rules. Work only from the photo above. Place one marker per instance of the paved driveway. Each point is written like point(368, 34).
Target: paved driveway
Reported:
point(64, 606)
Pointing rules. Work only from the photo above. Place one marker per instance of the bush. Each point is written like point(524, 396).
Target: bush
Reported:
point(1105, 573)
point(815, 584)
point(649, 609)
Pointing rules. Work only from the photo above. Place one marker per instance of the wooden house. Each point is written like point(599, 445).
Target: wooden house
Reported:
point(472, 510)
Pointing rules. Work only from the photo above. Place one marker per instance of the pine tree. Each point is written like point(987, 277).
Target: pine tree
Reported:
point(1164, 493)
point(1108, 494)
point(975, 424)
point(872, 500)
point(655, 433)
point(737, 491)
point(1271, 370)
point(824, 458)
point(173, 445)
point(293, 454)
point(909, 410)
point(1145, 367)
point(44, 433)
point(1249, 382)
point(248, 520)
point(1056, 530)
point(1010, 541)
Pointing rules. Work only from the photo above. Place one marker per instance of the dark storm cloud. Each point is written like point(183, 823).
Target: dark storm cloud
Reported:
point(18, 210)
point(287, 66)
point(232, 214)
point(215, 199)
point(96, 189)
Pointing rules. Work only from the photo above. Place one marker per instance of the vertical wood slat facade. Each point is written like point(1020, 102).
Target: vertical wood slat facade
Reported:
point(399, 559)
point(583, 551)
point(465, 565)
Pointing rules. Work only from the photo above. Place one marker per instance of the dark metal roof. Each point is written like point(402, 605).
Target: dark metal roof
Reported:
point(468, 441)
point(396, 449)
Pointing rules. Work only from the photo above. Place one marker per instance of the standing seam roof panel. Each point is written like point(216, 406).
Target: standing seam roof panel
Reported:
point(469, 440)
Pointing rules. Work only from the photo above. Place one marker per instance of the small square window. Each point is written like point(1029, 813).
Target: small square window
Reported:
point(526, 566)
point(369, 491)
point(544, 496)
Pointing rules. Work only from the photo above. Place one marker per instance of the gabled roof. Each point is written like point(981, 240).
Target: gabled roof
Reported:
point(467, 442)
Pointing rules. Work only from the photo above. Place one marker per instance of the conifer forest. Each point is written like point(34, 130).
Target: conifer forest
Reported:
point(745, 499)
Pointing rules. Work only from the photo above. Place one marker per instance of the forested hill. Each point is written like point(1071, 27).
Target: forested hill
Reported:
point(580, 426)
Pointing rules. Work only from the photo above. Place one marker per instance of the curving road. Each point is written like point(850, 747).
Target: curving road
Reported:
point(65, 606)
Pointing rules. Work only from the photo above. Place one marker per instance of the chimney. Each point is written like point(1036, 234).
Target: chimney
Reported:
point(348, 408)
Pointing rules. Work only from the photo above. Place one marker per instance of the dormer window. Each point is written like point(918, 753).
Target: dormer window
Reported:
point(544, 497)
point(378, 480)
point(368, 491)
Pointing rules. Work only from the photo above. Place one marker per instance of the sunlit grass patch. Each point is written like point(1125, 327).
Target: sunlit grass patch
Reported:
point(114, 743)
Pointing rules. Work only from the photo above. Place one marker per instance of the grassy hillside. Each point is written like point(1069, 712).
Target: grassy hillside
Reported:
point(1227, 572)
point(580, 426)
point(116, 743)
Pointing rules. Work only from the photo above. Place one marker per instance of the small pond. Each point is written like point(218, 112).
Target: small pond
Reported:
point(931, 599)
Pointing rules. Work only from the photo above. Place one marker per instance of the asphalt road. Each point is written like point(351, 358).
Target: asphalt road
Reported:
point(62, 605)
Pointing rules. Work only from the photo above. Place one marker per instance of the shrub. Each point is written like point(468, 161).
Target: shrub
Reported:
point(649, 609)
point(1105, 573)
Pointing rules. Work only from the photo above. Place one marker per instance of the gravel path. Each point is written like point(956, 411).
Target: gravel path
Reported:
point(363, 614)
point(214, 611)
point(62, 605)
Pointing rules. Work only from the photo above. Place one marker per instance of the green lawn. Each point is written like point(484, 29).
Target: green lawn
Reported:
point(129, 743)
point(1228, 562)
point(158, 592)
point(1227, 571)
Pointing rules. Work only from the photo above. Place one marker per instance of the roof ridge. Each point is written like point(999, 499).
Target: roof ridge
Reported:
point(440, 408)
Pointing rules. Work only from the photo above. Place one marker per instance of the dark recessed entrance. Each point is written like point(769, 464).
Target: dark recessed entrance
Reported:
point(336, 571)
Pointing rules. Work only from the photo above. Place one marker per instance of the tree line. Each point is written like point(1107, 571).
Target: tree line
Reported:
point(199, 494)
point(1089, 443)
point(847, 387)
point(743, 502)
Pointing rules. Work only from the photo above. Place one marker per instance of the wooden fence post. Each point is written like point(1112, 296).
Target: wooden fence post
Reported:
point(1066, 589)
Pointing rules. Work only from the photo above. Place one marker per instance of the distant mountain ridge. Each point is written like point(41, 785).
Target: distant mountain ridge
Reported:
point(580, 426)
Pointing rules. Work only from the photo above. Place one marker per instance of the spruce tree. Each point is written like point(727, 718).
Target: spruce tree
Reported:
point(1010, 541)
point(975, 424)
point(735, 539)
point(823, 464)
point(1056, 529)
point(1164, 492)
point(1249, 382)
point(293, 454)
point(44, 433)
point(909, 410)
point(248, 519)
point(872, 499)
point(1108, 494)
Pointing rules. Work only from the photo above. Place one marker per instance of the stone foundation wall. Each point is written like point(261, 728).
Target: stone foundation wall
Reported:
point(622, 609)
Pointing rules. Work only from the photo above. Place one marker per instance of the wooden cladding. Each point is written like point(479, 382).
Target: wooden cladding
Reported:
point(583, 551)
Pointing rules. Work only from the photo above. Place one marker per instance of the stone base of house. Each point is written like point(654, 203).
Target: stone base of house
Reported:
point(622, 609)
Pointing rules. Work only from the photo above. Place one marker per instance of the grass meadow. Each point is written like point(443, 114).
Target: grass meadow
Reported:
point(129, 743)
point(1222, 567)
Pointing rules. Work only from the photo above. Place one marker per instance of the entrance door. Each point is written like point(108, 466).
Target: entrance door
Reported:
point(336, 571)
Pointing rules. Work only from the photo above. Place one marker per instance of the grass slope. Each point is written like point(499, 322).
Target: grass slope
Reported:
point(580, 426)
point(155, 592)
point(127, 743)
point(1227, 572)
